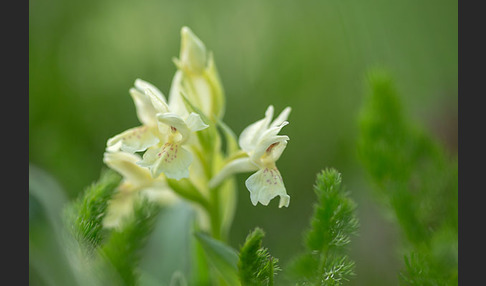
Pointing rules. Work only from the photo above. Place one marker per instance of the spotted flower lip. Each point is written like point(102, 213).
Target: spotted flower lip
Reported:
point(263, 147)
point(161, 136)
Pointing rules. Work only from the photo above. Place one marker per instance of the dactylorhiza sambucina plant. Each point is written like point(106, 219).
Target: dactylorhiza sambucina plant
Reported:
point(177, 151)
point(184, 157)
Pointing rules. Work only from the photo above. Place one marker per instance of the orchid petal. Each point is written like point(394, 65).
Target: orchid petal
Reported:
point(144, 108)
point(251, 134)
point(158, 101)
point(170, 159)
point(266, 184)
point(282, 117)
point(150, 157)
point(175, 121)
point(195, 123)
point(120, 207)
point(174, 163)
point(176, 102)
point(125, 164)
point(272, 131)
point(142, 86)
point(274, 143)
point(133, 140)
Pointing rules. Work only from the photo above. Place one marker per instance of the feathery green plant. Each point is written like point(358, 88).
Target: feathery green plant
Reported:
point(85, 214)
point(122, 248)
point(113, 255)
point(325, 261)
point(255, 265)
point(416, 179)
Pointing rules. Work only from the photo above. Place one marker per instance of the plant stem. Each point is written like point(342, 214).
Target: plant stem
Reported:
point(214, 214)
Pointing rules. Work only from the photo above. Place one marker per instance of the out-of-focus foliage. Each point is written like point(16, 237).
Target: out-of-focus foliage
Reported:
point(123, 247)
point(325, 261)
point(222, 258)
point(48, 259)
point(84, 216)
point(417, 180)
point(311, 55)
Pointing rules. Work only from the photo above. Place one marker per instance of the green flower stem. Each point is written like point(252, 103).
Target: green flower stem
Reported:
point(214, 214)
point(206, 162)
point(187, 190)
point(210, 149)
point(190, 192)
point(208, 157)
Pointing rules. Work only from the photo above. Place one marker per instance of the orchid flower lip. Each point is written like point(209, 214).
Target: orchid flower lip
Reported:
point(265, 185)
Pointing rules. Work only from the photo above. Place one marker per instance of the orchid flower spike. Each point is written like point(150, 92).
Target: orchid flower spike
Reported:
point(263, 146)
point(161, 136)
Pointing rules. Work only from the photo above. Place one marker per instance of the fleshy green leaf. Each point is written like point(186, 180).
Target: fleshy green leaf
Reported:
point(221, 256)
point(186, 189)
point(48, 257)
point(231, 140)
point(168, 249)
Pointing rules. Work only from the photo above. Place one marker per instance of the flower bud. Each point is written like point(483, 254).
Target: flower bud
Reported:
point(193, 55)
point(197, 78)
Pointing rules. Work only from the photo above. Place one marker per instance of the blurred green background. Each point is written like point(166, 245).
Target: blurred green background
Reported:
point(310, 55)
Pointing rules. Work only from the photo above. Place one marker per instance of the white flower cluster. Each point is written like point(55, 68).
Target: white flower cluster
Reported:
point(169, 139)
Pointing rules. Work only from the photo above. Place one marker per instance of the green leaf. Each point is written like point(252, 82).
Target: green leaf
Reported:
point(192, 108)
point(221, 256)
point(186, 189)
point(231, 140)
point(227, 192)
point(47, 254)
point(48, 194)
point(168, 249)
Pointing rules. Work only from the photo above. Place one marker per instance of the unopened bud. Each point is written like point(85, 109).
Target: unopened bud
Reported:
point(193, 55)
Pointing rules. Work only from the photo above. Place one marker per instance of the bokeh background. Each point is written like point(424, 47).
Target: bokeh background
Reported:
point(310, 55)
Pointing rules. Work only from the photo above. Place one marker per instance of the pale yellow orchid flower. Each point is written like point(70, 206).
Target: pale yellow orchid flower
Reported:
point(161, 136)
point(263, 147)
point(137, 181)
